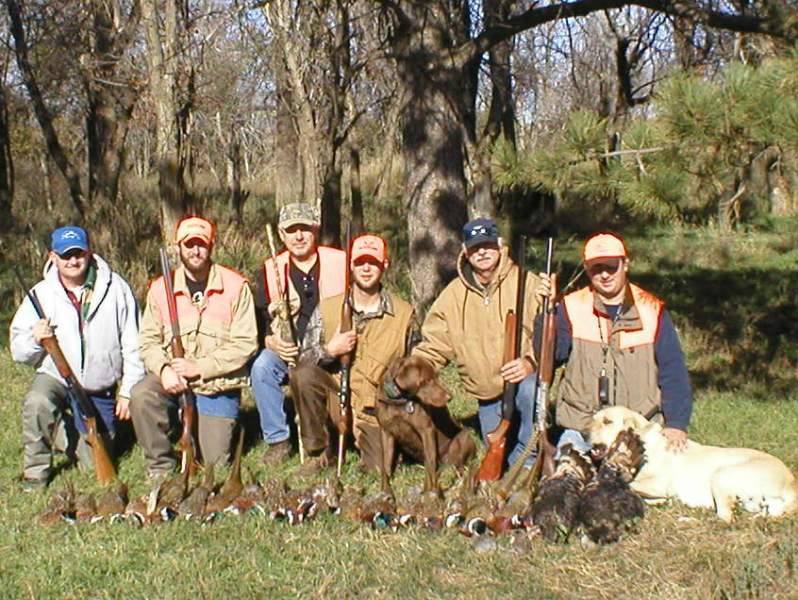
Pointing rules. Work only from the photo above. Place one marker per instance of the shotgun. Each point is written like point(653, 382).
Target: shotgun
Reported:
point(545, 451)
point(287, 326)
point(345, 393)
point(103, 465)
point(493, 462)
point(187, 402)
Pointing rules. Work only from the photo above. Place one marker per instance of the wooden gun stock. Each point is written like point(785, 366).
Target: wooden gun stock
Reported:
point(187, 403)
point(493, 462)
point(103, 465)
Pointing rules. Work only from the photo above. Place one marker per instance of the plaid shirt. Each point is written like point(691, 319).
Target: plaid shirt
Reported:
point(313, 345)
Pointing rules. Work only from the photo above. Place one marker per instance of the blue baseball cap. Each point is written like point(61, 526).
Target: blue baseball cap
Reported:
point(69, 238)
point(480, 231)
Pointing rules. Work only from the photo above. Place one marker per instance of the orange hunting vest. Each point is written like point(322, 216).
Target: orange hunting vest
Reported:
point(630, 363)
point(332, 272)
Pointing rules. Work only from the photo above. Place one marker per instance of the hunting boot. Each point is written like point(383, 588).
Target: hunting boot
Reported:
point(277, 453)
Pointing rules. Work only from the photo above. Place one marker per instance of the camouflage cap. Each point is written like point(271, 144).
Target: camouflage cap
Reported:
point(298, 213)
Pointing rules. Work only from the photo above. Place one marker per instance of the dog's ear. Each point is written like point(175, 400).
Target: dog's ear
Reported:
point(634, 421)
point(432, 393)
point(406, 375)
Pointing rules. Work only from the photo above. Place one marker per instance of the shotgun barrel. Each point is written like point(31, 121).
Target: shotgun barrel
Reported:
point(188, 407)
point(493, 462)
point(345, 393)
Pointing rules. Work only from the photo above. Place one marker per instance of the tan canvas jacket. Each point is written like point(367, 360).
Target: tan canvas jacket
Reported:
point(465, 325)
point(381, 340)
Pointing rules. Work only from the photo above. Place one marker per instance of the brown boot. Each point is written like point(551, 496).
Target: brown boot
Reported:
point(277, 453)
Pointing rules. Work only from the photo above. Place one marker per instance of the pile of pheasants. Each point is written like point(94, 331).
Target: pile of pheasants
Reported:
point(577, 493)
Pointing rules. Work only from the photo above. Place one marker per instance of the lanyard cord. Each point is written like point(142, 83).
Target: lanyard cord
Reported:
point(605, 347)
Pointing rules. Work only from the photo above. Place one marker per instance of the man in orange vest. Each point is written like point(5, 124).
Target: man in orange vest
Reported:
point(218, 331)
point(310, 273)
point(621, 349)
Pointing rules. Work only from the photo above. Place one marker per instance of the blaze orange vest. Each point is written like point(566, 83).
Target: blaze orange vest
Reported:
point(332, 272)
point(630, 362)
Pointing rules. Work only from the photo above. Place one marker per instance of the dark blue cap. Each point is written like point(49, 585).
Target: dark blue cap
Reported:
point(69, 238)
point(480, 231)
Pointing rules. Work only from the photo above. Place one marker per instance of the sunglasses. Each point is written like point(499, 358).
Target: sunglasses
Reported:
point(487, 230)
point(74, 253)
point(610, 267)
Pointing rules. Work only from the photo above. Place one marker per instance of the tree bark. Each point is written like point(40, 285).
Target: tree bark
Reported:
point(162, 61)
point(110, 102)
point(356, 191)
point(6, 163)
point(433, 112)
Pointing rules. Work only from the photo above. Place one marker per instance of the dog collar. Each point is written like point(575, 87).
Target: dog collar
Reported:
point(393, 392)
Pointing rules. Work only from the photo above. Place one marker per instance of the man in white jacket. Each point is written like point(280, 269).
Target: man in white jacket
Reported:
point(92, 312)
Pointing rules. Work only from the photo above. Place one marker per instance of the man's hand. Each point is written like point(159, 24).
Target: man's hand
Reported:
point(122, 408)
point(287, 351)
point(547, 287)
point(341, 343)
point(186, 367)
point(171, 381)
point(41, 330)
point(676, 439)
point(516, 370)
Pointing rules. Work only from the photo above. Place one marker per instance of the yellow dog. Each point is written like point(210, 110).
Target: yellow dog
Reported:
point(701, 476)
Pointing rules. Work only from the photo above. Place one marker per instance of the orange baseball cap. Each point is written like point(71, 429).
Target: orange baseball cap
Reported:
point(195, 227)
point(604, 245)
point(371, 245)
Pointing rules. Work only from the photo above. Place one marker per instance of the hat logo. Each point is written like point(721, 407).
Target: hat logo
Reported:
point(69, 235)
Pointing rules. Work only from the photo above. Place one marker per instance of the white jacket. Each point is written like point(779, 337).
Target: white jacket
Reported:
point(110, 332)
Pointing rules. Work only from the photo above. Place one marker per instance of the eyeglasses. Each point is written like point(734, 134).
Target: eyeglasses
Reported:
point(486, 230)
point(610, 267)
point(74, 253)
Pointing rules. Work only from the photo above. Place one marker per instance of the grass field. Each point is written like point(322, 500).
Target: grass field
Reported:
point(733, 300)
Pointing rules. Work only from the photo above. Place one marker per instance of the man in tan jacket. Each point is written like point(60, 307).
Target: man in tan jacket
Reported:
point(465, 325)
point(217, 327)
point(384, 330)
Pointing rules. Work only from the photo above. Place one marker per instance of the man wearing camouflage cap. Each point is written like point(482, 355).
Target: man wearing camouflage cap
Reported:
point(312, 273)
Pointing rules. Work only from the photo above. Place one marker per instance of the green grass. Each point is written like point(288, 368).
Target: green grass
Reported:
point(733, 300)
point(678, 553)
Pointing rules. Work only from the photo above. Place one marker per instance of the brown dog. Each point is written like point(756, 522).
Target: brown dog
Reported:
point(411, 409)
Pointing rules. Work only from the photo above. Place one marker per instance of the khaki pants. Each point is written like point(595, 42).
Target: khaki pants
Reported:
point(154, 413)
point(47, 426)
point(319, 413)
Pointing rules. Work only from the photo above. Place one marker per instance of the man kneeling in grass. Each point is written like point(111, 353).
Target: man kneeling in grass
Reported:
point(92, 312)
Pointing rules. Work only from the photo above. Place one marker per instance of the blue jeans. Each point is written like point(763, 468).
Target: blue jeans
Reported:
point(105, 404)
point(268, 373)
point(576, 439)
point(490, 414)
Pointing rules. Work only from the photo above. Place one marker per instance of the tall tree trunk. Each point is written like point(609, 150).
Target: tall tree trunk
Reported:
point(43, 116)
point(331, 207)
point(356, 191)
point(287, 179)
point(162, 57)
point(432, 146)
point(6, 163)
point(110, 103)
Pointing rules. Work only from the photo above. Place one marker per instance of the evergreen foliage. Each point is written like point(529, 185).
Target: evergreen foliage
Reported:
point(687, 161)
